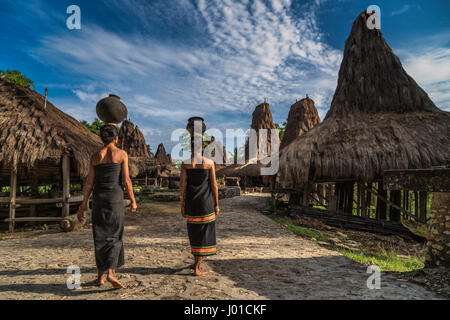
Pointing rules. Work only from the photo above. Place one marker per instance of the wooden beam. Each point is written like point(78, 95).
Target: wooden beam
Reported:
point(66, 184)
point(390, 202)
point(31, 201)
point(33, 219)
point(12, 197)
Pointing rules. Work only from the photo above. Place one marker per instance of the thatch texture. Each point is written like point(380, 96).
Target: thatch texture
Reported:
point(30, 133)
point(241, 170)
point(161, 155)
point(303, 116)
point(261, 119)
point(379, 119)
point(139, 166)
point(132, 140)
point(221, 147)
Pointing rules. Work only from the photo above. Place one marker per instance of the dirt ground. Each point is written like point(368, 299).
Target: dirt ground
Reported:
point(257, 259)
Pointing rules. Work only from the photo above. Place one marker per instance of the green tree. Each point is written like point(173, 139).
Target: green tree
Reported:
point(16, 77)
point(281, 130)
point(150, 151)
point(94, 126)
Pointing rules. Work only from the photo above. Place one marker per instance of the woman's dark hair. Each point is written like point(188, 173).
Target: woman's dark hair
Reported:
point(108, 132)
point(190, 129)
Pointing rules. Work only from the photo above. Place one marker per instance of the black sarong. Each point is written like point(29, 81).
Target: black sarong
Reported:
point(200, 215)
point(108, 216)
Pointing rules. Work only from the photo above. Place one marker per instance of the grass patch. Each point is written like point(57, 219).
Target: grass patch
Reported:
point(386, 260)
point(308, 233)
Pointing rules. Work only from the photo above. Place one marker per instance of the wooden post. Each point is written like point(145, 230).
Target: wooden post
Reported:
point(363, 200)
point(306, 195)
point(66, 184)
point(396, 198)
point(368, 201)
point(12, 197)
point(381, 206)
point(423, 196)
point(274, 202)
point(358, 200)
point(34, 190)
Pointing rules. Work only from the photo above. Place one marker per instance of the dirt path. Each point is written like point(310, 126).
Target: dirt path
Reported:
point(257, 259)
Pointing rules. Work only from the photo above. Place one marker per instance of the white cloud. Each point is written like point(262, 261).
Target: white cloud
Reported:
point(250, 51)
point(405, 8)
point(431, 69)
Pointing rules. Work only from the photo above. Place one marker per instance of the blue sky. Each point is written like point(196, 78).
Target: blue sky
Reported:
point(169, 60)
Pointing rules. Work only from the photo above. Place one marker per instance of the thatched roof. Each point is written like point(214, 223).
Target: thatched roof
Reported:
point(261, 119)
point(303, 116)
point(30, 133)
point(139, 166)
point(161, 155)
point(132, 140)
point(241, 170)
point(379, 119)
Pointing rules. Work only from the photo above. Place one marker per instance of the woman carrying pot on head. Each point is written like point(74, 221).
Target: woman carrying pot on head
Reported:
point(199, 198)
point(108, 169)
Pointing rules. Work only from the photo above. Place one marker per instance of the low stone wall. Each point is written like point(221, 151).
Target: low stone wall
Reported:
point(229, 192)
point(438, 254)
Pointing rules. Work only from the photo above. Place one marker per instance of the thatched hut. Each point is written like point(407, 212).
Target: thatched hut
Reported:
point(132, 140)
point(222, 152)
point(379, 119)
point(261, 119)
point(250, 172)
point(303, 116)
point(161, 156)
point(39, 145)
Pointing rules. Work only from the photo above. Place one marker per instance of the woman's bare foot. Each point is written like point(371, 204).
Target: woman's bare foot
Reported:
point(197, 266)
point(113, 280)
point(200, 272)
point(100, 279)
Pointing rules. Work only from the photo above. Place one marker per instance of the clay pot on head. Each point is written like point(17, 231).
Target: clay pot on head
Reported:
point(111, 109)
point(190, 124)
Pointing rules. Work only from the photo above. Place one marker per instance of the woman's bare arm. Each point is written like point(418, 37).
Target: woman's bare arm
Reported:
point(127, 182)
point(214, 188)
point(87, 189)
point(182, 188)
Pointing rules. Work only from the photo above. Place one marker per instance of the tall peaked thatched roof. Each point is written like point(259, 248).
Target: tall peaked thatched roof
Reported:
point(132, 140)
point(30, 132)
point(161, 155)
point(261, 119)
point(379, 119)
point(303, 116)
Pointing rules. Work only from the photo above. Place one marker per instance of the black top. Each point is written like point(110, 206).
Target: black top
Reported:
point(199, 198)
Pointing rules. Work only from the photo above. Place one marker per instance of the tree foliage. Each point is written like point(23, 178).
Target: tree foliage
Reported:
point(281, 130)
point(94, 126)
point(16, 77)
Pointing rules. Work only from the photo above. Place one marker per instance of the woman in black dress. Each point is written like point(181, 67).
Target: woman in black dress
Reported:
point(199, 205)
point(108, 168)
